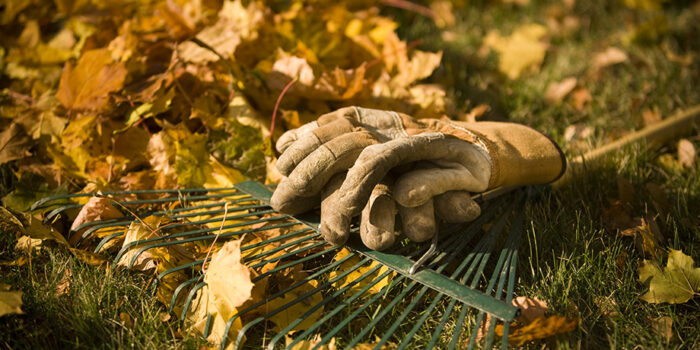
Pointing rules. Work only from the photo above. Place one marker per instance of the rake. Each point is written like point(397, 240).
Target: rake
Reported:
point(438, 296)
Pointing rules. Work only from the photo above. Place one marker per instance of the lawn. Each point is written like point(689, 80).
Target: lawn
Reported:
point(584, 240)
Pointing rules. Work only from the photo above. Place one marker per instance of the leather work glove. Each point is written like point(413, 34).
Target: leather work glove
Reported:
point(376, 163)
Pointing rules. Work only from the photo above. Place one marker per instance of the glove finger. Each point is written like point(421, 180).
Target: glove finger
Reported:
point(418, 222)
point(329, 197)
point(300, 149)
point(377, 223)
point(418, 186)
point(312, 173)
point(375, 162)
point(289, 137)
point(456, 207)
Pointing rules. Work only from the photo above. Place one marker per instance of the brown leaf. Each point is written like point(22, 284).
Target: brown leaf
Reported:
point(577, 132)
point(686, 153)
point(96, 209)
point(580, 97)
point(617, 217)
point(609, 57)
point(87, 84)
point(556, 91)
point(14, 144)
point(540, 328)
point(658, 198)
point(474, 113)
point(625, 190)
point(531, 309)
point(663, 327)
point(607, 306)
point(63, 286)
point(651, 116)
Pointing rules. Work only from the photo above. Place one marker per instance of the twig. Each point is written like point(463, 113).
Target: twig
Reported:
point(658, 133)
point(411, 6)
point(277, 104)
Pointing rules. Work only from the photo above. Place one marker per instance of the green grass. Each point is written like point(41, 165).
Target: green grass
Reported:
point(567, 257)
point(101, 308)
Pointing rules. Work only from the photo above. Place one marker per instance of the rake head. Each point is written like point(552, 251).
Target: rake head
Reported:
point(307, 291)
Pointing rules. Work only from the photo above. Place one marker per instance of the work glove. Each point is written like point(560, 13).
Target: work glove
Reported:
point(376, 163)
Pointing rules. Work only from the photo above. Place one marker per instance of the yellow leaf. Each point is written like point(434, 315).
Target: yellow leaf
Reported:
point(89, 258)
point(354, 275)
point(310, 344)
point(285, 317)
point(87, 84)
point(10, 301)
point(521, 50)
point(228, 287)
point(139, 230)
point(540, 328)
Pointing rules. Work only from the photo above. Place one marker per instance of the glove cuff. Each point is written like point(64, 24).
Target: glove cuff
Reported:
point(519, 155)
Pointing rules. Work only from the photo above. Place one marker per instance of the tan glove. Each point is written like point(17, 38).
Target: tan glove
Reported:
point(368, 144)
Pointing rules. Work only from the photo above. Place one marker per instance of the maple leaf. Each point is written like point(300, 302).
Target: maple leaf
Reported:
point(14, 144)
point(677, 283)
point(88, 83)
point(521, 50)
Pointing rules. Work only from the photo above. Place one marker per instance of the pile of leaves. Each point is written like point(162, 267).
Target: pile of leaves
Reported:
point(141, 94)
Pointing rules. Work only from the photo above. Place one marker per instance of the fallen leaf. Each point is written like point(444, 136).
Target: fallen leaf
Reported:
point(96, 209)
point(580, 97)
point(64, 285)
point(228, 287)
point(651, 116)
point(355, 274)
point(530, 309)
point(88, 83)
point(540, 328)
point(140, 230)
point(625, 190)
point(577, 131)
point(686, 153)
point(444, 13)
point(14, 144)
point(607, 306)
point(658, 198)
point(474, 113)
point(609, 57)
point(89, 258)
point(228, 279)
point(617, 217)
point(677, 283)
point(647, 237)
point(127, 322)
point(556, 91)
point(663, 327)
point(28, 244)
point(310, 344)
point(521, 50)
point(10, 301)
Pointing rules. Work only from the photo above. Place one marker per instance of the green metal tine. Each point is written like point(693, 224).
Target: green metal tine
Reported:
point(460, 286)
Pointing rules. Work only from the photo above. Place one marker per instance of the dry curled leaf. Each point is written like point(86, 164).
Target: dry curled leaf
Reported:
point(540, 328)
point(14, 144)
point(609, 57)
point(96, 209)
point(557, 91)
point(686, 153)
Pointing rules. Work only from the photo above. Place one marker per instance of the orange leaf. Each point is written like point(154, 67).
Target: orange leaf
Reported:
point(540, 328)
point(86, 85)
